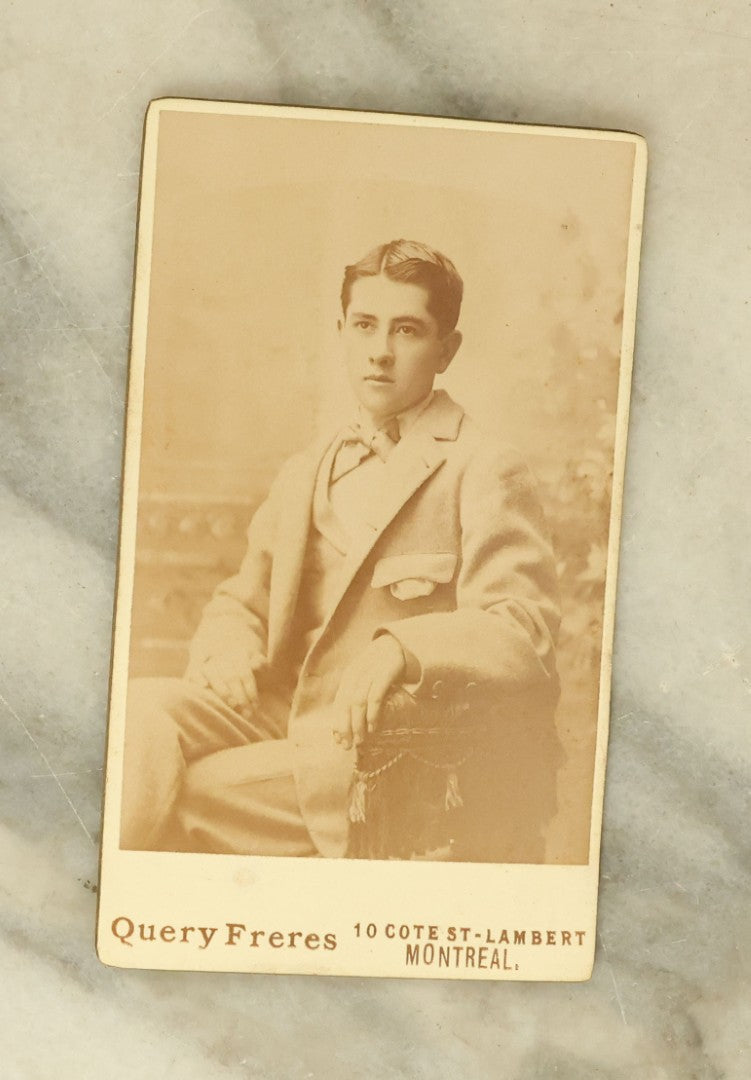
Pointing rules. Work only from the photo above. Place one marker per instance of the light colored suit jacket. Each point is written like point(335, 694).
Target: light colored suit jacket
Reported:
point(453, 560)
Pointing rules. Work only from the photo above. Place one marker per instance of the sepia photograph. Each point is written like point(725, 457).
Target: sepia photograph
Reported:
point(379, 390)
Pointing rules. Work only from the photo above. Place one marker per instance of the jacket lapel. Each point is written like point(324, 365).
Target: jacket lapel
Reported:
point(289, 552)
point(416, 458)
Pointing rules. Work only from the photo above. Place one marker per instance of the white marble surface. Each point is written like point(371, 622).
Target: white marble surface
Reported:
point(671, 995)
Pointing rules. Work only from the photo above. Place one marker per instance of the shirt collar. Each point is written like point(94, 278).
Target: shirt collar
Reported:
point(405, 419)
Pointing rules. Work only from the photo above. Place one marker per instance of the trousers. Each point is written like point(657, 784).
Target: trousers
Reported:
point(198, 776)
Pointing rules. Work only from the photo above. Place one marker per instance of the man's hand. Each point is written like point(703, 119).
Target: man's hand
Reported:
point(230, 676)
point(363, 688)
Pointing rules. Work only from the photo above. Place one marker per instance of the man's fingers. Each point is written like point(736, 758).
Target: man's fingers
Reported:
point(216, 681)
point(357, 722)
point(237, 697)
point(343, 732)
point(250, 688)
point(238, 690)
point(379, 688)
point(340, 726)
point(373, 710)
point(196, 675)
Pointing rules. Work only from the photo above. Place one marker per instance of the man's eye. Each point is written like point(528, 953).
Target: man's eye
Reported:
point(363, 324)
point(408, 330)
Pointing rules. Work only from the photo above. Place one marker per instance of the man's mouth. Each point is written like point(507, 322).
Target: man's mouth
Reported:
point(378, 379)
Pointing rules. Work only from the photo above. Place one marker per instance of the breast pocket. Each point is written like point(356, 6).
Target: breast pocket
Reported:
point(409, 577)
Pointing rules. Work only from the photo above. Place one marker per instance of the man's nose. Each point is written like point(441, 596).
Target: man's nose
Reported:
point(381, 352)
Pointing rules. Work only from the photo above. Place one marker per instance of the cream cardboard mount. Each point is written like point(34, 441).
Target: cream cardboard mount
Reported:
point(378, 400)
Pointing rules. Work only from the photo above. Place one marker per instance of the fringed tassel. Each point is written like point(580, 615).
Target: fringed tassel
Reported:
point(398, 806)
point(453, 796)
point(357, 799)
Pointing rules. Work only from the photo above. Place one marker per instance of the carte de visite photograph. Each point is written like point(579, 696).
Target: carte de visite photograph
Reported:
point(378, 400)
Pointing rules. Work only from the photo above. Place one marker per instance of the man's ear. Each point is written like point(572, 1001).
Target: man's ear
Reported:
point(449, 348)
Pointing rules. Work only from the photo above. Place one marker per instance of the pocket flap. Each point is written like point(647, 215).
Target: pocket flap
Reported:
point(438, 567)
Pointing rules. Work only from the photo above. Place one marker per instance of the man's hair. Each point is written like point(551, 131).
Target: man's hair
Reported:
point(418, 264)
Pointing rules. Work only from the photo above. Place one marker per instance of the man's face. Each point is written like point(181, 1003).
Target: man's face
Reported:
point(392, 346)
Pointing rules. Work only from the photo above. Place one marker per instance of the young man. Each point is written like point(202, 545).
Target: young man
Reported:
point(406, 551)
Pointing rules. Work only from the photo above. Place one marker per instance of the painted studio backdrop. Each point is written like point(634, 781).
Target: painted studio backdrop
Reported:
point(254, 222)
